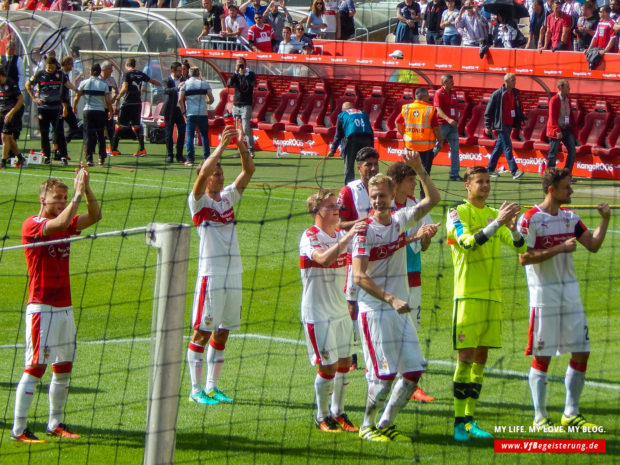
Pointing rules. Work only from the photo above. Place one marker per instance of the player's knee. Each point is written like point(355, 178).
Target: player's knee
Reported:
point(328, 371)
point(36, 370)
point(201, 337)
point(220, 336)
point(466, 355)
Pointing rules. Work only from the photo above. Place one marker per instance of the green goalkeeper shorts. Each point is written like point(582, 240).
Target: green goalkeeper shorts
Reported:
point(476, 323)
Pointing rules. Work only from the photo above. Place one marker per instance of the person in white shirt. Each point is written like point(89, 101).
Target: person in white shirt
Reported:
point(235, 25)
point(217, 298)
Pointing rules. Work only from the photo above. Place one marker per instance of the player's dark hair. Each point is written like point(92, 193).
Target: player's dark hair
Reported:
point(174, 65)
point(553, 176)
point(365, 153)
point(131, 62)
point(51, 61)
point(66, 61)
point(399, 171)
point(474, 170)
point(95, 70)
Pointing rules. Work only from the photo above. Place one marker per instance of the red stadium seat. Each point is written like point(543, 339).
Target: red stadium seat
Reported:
point(224, 107)
point(314, 111)
point(536, 126)
point(594, 128)
point(375, 107)
point(463, 110)
point(390, 122)
point(350, 95)
point(286, 112)
point(260, 101)
point(578, 111)
point(475, 127)
point(612, 148)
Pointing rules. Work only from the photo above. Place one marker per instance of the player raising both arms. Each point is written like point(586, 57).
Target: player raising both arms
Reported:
point(418, 240)
point(557, 318)
point(217, 299)
point(50, 329)
point(327, 325)
point(389, 339)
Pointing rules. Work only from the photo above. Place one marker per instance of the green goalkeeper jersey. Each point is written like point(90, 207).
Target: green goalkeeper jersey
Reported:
point(477, 261)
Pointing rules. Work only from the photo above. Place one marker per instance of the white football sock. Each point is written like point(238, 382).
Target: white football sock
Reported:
point(215, 360)
point(341, 381)
point(378, 390)
point(400, 396)
point(574, 382)
point(24, 394)
point(195, 363)
point(323, 387)
point(58, 393)
point(538, 386)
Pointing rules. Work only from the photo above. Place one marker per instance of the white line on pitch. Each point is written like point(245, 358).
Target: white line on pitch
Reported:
point(262, 337)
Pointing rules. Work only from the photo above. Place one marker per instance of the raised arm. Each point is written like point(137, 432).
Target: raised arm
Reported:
point(593, 241)
point(211, 163)
point(93, 213)
point(247, 163)
point(432, 194)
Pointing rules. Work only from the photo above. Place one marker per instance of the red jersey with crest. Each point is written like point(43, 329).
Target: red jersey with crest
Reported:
point(261, 37)
point(387, 260)
point(322, 298)
point(552, 281)
point(48, 266)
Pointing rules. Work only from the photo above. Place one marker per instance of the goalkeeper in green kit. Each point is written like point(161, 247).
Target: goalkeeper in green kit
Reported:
point(475, 232)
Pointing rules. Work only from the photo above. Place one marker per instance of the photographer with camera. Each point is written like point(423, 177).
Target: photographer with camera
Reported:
point(471, 25)
point(243, 81)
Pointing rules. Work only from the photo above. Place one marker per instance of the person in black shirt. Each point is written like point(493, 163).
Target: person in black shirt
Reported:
point(130, 114)
point(49, 84)
point(172, 113)
point(586, 26)
point(211, 18)
point(69, 117)
point(243, 81)
point(11, 112)
point(432, 21)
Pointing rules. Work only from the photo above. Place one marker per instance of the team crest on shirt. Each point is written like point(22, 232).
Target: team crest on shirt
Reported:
point(384, 364)
point(461, 337)
point(566, 223)
point(454, 215)
point(325, 355)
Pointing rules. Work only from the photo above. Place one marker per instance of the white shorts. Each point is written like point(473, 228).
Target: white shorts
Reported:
point(558, 330)
point(217, 302)
point(329, 341)
point(415, 304)
point(50, 335)
point(390, 344)
point(350, 289)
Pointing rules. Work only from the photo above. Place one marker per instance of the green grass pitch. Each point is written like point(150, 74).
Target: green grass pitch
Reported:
point(267, 371)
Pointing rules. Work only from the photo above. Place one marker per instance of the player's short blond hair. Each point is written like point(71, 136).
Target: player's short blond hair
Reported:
point(379, 179)
point(50, 184)
point(316, 199)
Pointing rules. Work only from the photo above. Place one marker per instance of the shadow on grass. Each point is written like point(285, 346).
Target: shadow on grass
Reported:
point(46, 387)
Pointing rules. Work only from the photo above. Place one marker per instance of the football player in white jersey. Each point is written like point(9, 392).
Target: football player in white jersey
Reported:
point(389, 339)
point(557, 318)
point(419, 239)
point(217, 298)
point(327, 325)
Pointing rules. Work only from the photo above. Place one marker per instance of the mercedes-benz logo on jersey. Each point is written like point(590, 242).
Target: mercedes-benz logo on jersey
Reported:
point(546, 242)
point(382, 252)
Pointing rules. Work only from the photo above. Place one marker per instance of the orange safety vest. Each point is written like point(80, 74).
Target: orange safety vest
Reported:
point(419, 134)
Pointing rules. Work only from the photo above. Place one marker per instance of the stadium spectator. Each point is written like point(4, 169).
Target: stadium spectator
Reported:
point(243, 81)
point(572, 8)
point(353, 132)
point(432, 21)
point(615, 10)
point(50, 329)
point(503, 113)
point(346, 11)
point(471, 25)
point(354, 205)
point(604, 37)
point(212, 18)
point(423, 7)
point(261, 35)
point(288, 45)
point(68, 115)
point(418, 240)
point(217, 299)
point(475, 233)
point(586, 26)
point(445, 104)
point(557, 317)
point(506, 34)
point(407, 29)
point(185, 66)
point(11, 113)
point(300, 36)
point(561, 126)
point(448, 24)
point(249, 10)
point(558, 27)
point(327, 325)
point(195, 96)
point(235, 24)
point(97, 110)
point(419, 126)
point(106, 75)
point(316, 22)
point(277, 19)
point(172, 113)
point(537, 24)
point(390, 342)
point(130, 114)
point(45, 89)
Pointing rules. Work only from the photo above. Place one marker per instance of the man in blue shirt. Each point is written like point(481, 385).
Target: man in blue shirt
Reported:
point(250, 8)
point(354, 132)
point(194, 99)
